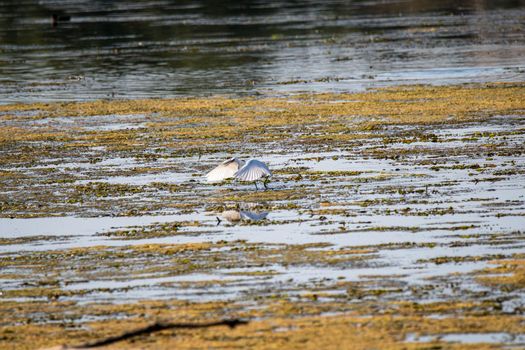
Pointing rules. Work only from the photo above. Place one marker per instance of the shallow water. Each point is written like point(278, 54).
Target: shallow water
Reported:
point(453, 214)
point(131, 49)
point(465, 338)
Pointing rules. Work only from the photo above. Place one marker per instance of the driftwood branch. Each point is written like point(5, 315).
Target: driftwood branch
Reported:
point(155, 327)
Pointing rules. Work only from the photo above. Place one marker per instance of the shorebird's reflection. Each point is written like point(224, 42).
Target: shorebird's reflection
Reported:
point(234, 216)
point(254, 216)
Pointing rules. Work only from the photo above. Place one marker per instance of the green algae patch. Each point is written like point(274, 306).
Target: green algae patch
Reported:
point(317, 116)
point(106, 190)
point(70, 165)
point(428, 103)
point(275, 195)
point(152, 231)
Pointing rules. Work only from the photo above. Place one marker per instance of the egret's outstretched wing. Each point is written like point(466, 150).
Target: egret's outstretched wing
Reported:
point(225, 170)
point(252, 171)
point(250, 215)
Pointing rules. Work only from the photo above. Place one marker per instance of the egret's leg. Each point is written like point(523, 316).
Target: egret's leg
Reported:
point(255, 182)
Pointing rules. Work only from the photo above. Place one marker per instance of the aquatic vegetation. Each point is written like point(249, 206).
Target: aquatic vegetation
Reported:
point(509, 275)
point(392, 215)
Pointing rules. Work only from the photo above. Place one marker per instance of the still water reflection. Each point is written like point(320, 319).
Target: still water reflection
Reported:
point(165, 48)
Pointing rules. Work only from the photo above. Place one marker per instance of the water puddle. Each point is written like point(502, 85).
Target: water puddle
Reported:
point(470, 338)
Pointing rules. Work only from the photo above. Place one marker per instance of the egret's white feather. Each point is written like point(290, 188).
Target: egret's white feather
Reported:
point(225, 170)
point(253, 170)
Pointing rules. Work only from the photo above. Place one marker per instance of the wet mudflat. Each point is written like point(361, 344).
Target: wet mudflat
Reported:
point(394, 219)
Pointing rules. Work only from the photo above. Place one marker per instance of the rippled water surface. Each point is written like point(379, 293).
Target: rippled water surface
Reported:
point(129, 49)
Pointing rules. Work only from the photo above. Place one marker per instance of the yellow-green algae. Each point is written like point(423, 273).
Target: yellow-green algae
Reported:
point(303, 118)
point(363, 314)
point(277, 321)
point(508, 275)
point(197, 126)
point(278, 329)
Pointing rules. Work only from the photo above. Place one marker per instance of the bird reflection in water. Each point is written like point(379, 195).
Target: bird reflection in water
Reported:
point(235, 216)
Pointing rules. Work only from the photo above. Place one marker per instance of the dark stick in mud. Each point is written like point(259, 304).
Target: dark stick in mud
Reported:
point(157, 326)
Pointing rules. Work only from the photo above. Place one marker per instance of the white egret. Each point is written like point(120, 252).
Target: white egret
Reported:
point(225, 170)
point(254, 170)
